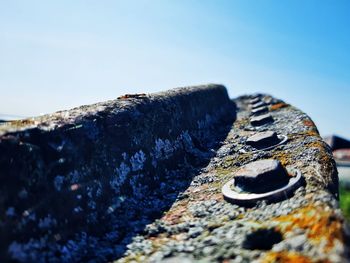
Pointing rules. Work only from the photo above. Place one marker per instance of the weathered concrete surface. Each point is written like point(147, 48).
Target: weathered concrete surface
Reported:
point(139, 179)
point(77, 185)
point(202, 227)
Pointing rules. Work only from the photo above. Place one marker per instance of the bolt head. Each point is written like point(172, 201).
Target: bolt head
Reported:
point(254, 100)
point(261, 176)
point(260, 110)
point(263, 139)
point(258, 105)
point(261, 120)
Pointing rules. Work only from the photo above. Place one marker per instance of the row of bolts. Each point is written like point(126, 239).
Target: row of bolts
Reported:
point(261, 141)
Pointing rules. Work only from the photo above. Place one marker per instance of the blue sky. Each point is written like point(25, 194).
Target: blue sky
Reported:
point(60, 54)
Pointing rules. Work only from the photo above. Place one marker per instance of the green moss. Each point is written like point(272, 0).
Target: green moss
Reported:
point(345, 201)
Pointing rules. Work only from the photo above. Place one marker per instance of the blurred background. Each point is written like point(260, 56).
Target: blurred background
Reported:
point(61, 54)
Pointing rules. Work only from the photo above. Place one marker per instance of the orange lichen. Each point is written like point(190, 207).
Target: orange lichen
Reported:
point(278, 106)
point(287, 257)
point(319, 223)
point(131, 96)
point(311, 133)
point(316, 144)
point(309, 123)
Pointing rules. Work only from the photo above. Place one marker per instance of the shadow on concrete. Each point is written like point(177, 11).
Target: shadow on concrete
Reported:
point(140, 211)
point(66, 221)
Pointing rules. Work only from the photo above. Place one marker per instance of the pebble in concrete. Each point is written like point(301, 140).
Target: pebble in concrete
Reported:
point(263, 139)
point(261, 120)
point(260, 110)
point(261, 176)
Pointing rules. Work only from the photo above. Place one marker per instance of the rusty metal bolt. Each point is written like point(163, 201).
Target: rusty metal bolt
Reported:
point(254, 100)
point(262, 140)
point(260, 110)
point(261, 120)
point(258, 105)
point(261, 176)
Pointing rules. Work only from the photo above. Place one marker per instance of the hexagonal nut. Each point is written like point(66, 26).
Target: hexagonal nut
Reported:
point(261, 176)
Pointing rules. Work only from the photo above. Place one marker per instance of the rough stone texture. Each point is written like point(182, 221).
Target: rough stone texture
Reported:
point(78, 184)
point(261, 176)
point(202, 227)
point(139, 180)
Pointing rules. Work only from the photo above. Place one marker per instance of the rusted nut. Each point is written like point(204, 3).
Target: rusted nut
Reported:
point(260, 110)
point(261, 120)
point(265, 140)
point(261, 176)
point(261, 180)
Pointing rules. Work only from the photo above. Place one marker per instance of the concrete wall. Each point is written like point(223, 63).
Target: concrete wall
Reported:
point(75, 171)
point(139, 179)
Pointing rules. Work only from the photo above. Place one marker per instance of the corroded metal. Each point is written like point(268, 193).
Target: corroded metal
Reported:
point(263, 141)
point(261, 120)
point(261, 180)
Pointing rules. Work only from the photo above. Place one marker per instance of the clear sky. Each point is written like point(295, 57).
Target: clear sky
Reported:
point(60, 54)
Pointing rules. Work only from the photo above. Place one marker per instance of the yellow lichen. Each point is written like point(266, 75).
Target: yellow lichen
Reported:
point(316, 144)
point(318, 222)
point(312, 132)
point(284, 158)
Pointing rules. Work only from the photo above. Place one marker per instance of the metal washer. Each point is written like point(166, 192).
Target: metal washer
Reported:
point(252, 198)
point(283, 140)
